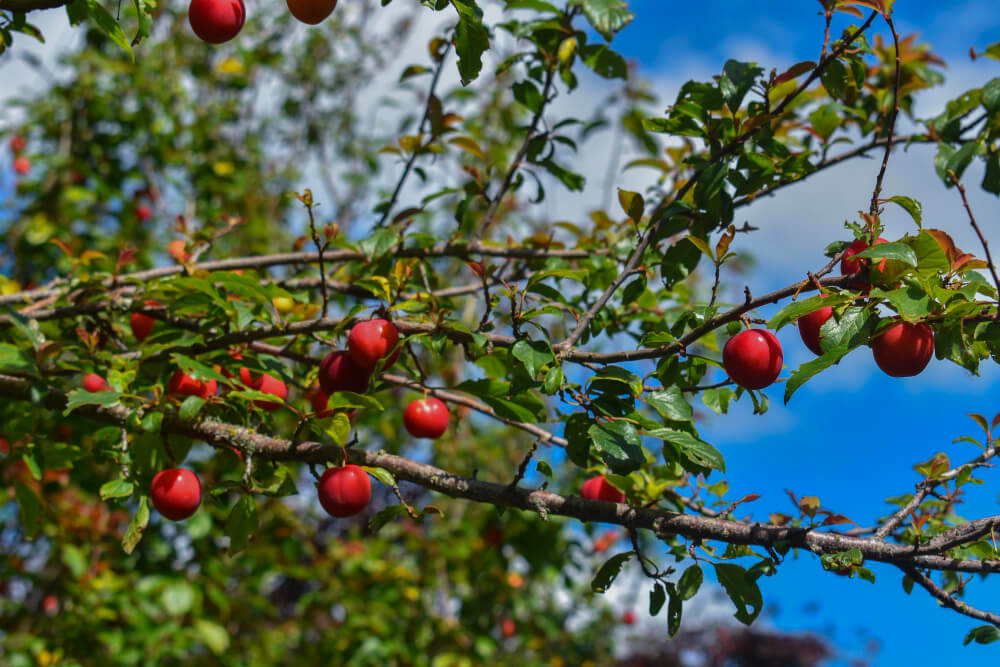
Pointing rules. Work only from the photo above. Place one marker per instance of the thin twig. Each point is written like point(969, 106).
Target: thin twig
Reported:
point(897, 82)
point(423, 122)
point(320, 247)
point(979, 233)
point(512, 170)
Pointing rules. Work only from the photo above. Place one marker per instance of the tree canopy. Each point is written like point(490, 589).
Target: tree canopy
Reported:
point(267, 261)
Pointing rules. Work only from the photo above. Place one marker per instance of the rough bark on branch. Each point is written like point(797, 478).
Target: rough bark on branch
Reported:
point(661, 522)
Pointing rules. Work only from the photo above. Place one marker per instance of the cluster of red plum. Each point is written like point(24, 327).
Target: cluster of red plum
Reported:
point(753, 358)
point(218, 21)
point(343, 490)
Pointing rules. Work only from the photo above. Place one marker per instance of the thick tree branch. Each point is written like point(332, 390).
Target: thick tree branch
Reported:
point(662, 523)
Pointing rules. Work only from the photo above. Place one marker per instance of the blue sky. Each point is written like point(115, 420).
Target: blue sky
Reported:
point(851, 436)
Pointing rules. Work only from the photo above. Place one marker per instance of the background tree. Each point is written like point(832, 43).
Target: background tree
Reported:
point(157, 183)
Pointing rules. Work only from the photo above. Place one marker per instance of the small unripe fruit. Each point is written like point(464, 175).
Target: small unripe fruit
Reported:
point(93, 383)
point(809, 326)
point(337, 372)
point(176, 493)
point(598, 488)
point(904, 349)
point(216, 21)
point(267, 384)
point(344, 491)
point(22, 165)
point(142, 325)
point(753, 358)
point(311, 11)
point(283, 304)
point(371, 341)
point(426, 418)
point(182, 384)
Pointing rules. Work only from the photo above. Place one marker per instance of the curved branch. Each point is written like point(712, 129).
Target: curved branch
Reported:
point(661, 522)
point(947, 600)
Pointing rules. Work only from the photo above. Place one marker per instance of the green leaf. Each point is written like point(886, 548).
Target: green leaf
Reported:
point(29, 460)
point(533, 354)
point(241, 523)
point(990, 96)
point(742, 590)
point(471, 40)
point(79, 397)
point(797, 309)
point(657, 597)
point(737, 80)
point(31, 507)
point(381, 474)
point(213, 635)
point(607, 16)
point(12, 358)
point(690, 582)
point(116, 488)
point(604, 62)
point(671, 404)
point(109, 26)
point(899, 252)
point(606, 575)
point(177, 598)
point(691, 448)
point(136, 527)
point(852, 328)
point(385, 516)
point(191, 406)
point(811, 368)
point(674, 610)
point(984, 634)
point(717, 399)
point(553, 380)
point(619, 445)
point(911, 206)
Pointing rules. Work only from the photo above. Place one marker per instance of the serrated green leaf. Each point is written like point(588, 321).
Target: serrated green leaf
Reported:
point(136, 527)
point(31, 507)
point(690, 582)
point(811, 368)
point(116, 488)
point(742, 590)
point(619, 445)
point(911, 206)
point(241, 523)
point(609, 571)
point(671, 404)
point(533, 354)
point(607, 16)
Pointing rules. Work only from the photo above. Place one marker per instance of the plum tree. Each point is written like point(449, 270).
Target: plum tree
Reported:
point(323, 250)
